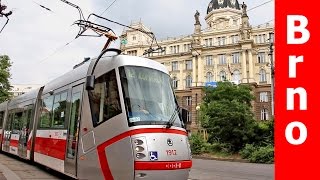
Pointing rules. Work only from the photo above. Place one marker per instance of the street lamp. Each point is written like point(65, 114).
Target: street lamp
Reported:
point(271, 40)
point(198, 121)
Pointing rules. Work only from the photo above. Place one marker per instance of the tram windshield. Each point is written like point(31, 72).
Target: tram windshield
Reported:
point(148, 97)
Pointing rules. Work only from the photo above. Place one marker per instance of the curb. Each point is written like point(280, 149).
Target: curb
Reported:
point(219, 159)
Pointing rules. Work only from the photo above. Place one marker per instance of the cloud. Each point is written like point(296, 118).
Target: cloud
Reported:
point(34, 34)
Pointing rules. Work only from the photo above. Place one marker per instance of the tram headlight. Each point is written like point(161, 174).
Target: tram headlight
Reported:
point(140, 155)
point(139, 149)
point(138, 142)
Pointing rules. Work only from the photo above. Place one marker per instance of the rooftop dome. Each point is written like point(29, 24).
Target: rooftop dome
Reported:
point(217, 4)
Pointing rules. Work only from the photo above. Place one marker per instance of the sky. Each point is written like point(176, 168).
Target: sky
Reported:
point(42, 46)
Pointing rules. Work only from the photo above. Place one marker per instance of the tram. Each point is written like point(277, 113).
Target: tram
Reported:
point(114, 117)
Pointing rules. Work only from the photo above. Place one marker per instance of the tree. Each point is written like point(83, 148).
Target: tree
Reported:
point(4, 78)
point(227, 115)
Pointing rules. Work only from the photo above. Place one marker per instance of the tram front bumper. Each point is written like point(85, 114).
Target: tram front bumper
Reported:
point(163, 170)
point(181, 174)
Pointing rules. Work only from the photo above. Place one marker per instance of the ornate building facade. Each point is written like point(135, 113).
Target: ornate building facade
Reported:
point(228, 48)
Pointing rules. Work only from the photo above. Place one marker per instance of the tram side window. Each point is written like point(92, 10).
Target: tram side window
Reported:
point(17, 122)
point(59, 110)
point(104, 99)
point(1, 118)
point(9, 122)
point(46, 112)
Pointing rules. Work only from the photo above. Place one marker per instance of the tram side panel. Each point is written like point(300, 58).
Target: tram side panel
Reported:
point(1, 125)
point(105, 147)
point(51, 134)
point(3, 116)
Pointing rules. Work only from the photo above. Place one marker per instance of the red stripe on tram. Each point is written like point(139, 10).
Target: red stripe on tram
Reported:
point(14, 143)
point(55, 148)
point(162, 165)
point(101, 148)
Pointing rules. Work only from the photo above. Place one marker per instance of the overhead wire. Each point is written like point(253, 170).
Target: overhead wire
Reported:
point(148, 33)
point(69, 42)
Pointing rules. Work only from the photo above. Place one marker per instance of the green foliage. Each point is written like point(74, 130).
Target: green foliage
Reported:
point(263, 133)
point(257, 154)
point(197, 144)
point(247, 151)
point(4, 78)
point(226, 114)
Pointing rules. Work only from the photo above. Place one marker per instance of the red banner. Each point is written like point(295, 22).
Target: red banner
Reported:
point(297, 102)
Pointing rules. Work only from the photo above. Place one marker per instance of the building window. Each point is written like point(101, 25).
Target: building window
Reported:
point(209, 60)
point(236, 58)
point(235, 39)
point(175, 65)
point(189, 116)
point(189, 100)
point(175, 83)
point(261, 38)
point(132, 53)
point(186, 47)
point(188, 64)
point(263, 96)
point(222, 75)
point(236, 76)
point(221, 41)
point(188, 81)
point(263, 75)
point(134, 38)
point(209, 77)
point(264, 114)
point(174, 49)
point(222, 59)
point(261, 57)
point(210, 42)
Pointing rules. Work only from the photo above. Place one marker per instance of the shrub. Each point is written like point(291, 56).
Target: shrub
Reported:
point(197, 144)
point(247, 151)
point(263, 155)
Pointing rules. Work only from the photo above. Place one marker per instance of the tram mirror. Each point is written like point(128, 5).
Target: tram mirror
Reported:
point(90, 82)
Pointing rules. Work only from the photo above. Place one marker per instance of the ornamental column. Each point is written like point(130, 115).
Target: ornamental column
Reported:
point(251, 70)
point(244, 66)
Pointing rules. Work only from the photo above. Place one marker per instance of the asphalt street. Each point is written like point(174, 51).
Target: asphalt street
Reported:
point(223, 170)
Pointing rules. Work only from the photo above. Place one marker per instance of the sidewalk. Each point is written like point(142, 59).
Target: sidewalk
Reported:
point(5, 172)
point(15, 169)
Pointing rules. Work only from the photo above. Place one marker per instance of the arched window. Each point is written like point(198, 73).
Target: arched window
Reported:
point(209, 77)
point(188, 81)
point(175, 83)
point(264, 114)
point(223, 75)
point(236, 75)
point(263, 75)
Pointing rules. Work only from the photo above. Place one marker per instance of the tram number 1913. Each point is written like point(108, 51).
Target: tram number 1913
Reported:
point(171, 152)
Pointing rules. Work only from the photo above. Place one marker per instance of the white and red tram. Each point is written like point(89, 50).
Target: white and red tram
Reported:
point(113, 118)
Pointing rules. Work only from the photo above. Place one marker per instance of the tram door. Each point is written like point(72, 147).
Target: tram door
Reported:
point(73, 128)
point(7, 133)
point(24, 131)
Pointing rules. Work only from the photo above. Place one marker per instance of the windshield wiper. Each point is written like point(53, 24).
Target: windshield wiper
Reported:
point(172, 118)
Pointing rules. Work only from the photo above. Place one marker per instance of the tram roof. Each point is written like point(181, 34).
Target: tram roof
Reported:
point(105, 64)
point(31, 95)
